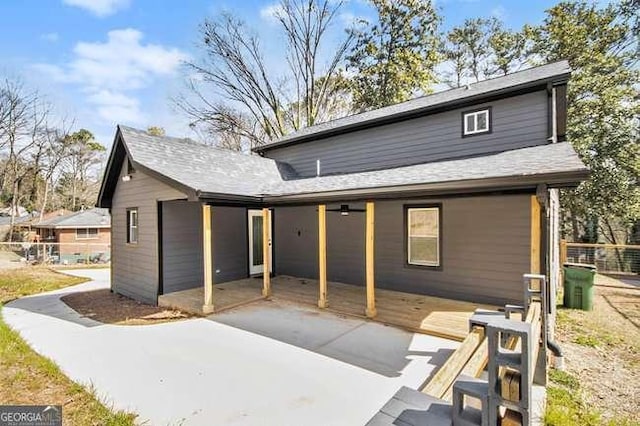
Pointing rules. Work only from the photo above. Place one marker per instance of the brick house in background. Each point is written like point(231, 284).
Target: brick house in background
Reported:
point(78, 237)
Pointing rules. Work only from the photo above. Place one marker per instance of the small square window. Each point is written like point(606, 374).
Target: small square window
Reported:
point(132, 225)
point(476, 122)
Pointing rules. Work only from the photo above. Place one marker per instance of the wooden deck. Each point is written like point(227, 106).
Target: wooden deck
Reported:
point(424, 314)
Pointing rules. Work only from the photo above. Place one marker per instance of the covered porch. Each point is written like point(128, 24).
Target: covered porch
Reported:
point(312, 251)
point(417, 313)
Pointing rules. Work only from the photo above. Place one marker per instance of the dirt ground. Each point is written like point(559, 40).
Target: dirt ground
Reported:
point(110, 308)
point(602, 348)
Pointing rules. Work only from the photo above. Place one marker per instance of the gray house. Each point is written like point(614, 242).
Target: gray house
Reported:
point(453, 195)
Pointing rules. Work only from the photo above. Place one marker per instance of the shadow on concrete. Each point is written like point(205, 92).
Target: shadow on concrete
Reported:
point(375, 347)
point(51, 305)
point(409, 407)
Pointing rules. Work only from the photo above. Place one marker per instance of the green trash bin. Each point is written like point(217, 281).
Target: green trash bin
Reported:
point(578, 286)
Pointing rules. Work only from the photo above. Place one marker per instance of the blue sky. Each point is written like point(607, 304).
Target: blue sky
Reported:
point(103, 62)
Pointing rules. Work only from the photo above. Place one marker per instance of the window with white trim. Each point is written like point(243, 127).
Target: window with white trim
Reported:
point(476, 122)
point(86, 233)
point(423, 236)
point(132, 225)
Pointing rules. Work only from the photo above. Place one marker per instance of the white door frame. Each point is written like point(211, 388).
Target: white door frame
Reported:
point(257, 269)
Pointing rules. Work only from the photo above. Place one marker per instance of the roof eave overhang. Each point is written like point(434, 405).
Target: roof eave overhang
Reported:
point(111, 176)
point(229, 199)
point(418, 112)
point(510, 183)
point(107, 179)
point(102, 226)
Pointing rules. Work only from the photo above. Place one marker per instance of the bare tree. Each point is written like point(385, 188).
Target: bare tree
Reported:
point(245, 101)
point(305, 22)
point(77, 183)
point(54, 152)
point(24, 116)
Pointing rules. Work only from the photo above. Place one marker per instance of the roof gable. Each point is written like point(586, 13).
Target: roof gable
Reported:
point(112, 171)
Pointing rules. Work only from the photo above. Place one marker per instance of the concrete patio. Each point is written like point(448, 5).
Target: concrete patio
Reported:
point(270, 362)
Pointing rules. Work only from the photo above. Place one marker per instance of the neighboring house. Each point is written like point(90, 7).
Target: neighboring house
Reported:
point(458, 190)
point(27, 229)
point(83, 236)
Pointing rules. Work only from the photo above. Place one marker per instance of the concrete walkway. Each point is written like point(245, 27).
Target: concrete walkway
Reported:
point(267, 363)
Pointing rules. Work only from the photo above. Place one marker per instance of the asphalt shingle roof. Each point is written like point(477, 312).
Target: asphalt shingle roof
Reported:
point(538, 160)
point(202, 167)
point(90, 218)
point(512, 81)
point(210, 170)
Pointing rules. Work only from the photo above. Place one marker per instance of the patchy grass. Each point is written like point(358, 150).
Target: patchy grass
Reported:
point(602, 355)
point(29, 378)
point(565, 405)
point(16, 283)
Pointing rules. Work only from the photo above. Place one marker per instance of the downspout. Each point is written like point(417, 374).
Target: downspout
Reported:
point(542, 194)
point(558, 357)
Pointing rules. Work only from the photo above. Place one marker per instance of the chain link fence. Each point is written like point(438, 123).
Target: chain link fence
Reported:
point(608, 258)
point(54, 253)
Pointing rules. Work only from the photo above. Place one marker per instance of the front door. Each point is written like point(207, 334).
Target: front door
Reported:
point(255, 243)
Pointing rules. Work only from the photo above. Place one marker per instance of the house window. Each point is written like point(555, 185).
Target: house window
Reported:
point(423, 235)
point(86, 233)
point(132, 226)
point(476, 122)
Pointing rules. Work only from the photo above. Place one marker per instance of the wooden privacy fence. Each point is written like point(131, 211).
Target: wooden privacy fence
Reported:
point(55, 253)
point(608, 258)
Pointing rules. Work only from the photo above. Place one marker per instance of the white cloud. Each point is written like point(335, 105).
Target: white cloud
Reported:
point(99, 8)
point(109, 73)
point(122, 62)
point(499, 12)
point(51, 37)
point(117, 107)
point(270, 12)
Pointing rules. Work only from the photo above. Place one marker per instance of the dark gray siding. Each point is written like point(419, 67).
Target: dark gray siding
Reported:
point(295, 241)
point(345, 246)
point(518, 122)
point(485, 247)
point(230, 243)
point(134, 267)
point(181, 245)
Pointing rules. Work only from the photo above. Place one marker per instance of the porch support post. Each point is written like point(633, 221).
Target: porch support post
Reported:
point(535, 235)
point(369, 256)
point(322, 255)
point(207, 255)
point(266, 253)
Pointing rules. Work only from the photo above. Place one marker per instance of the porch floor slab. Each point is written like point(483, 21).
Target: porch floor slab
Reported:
point(418, 313)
